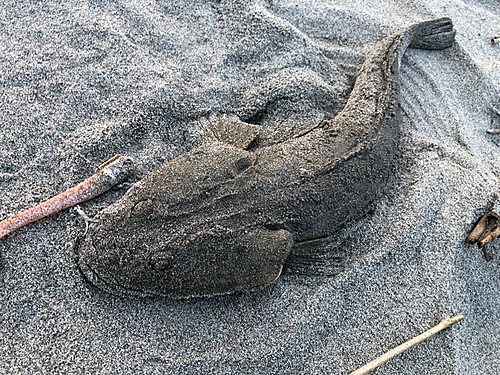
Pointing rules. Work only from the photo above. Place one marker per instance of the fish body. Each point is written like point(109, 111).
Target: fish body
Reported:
point(222, 218)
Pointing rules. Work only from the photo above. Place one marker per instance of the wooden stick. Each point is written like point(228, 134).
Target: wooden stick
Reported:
point(109, 174)
point(490, 237)
point(490, 219)
point(478, 230)
point(407, 345)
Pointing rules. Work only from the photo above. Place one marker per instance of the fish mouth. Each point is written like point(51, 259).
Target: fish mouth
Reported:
point(110, 285)
point(96, 275)
point(93, 277)
point(102, 283)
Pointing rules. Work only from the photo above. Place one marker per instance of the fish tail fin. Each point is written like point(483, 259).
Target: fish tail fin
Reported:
point(433, 35)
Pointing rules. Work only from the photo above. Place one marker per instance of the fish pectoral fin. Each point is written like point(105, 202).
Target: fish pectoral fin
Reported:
point(269, 251)
point(232, 131)
point(316, 257)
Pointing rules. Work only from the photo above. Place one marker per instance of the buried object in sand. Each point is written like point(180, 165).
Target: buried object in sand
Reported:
point(226, 217)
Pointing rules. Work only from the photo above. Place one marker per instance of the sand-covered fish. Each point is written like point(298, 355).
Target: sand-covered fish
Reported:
point(226, 216)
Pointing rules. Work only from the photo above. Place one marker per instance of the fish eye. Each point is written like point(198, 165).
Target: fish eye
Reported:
point(243, 164)
point(161, 261)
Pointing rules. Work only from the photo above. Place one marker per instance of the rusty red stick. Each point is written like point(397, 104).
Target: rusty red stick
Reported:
point(109, 174)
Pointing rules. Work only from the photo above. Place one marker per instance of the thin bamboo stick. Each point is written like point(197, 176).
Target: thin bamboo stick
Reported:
point(407, 345)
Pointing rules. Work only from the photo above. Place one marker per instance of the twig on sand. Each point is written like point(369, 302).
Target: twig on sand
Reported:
point(490, 219)
point(109, 174)
point(490, 237)
point(407, 345)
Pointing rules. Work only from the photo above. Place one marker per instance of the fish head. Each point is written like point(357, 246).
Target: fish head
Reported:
point(187, 229)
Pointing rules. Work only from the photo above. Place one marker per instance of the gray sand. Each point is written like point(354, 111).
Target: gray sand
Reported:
point(81, 82)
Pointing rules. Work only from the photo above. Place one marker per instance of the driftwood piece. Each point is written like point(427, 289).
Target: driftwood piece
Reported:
point(407, 345)
point(109, 174)
point(490, 237)
point(490, 219)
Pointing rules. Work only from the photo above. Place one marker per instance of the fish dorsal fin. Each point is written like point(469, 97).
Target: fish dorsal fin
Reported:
point(232, 131)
